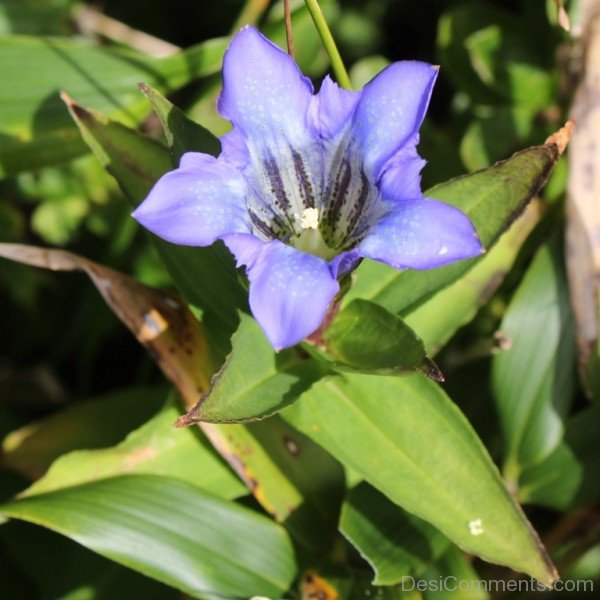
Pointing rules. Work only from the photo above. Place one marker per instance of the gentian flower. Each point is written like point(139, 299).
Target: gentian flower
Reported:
point(307, 185)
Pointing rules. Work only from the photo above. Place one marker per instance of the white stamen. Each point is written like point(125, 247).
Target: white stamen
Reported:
point(309, 218)
point(476, 527)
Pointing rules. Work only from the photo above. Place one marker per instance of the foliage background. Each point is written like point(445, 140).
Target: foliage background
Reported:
point(61, 346)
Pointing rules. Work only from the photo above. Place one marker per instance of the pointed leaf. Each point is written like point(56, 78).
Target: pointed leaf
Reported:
point(365, 337)
point(492, 198)
point(407, 439)
point(255, 381)
point(136, 162)
point(284, 478)
point(171, 531)
point(182, 134)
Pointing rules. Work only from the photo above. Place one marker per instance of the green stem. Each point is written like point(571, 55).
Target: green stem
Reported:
point(337, 64)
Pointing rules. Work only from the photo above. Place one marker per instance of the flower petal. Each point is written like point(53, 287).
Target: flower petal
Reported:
point(334, 107)
point(197, 203)
point(290, 291)
point(391, 110)
point(263, 88)
point(401, 177)
point(421, 234)
point(271, 106)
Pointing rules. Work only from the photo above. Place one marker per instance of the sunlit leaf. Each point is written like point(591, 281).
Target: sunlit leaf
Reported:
point(214, 547)
point(36, 130)
point(182, 134)
point(408, 440)
point(154, 449)
point(492, 198)
point(254, 381)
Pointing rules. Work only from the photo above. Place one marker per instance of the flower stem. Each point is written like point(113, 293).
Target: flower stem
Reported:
point(288, 27)
point(337, 64)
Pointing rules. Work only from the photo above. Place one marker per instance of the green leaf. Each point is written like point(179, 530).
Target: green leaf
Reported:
point(96, 423)
point(171, 531)
point(492, 198)
point(182, 134)
point(255, 381)
point(293, 478)
point(438, 319)
point(44, 565)
point(365, 337)
point(407, 439)
point(452, 569)
point(35, 129)
point(570, 476)
point(394, 542)
point(533, 378)
point(136, 162)
point(155, 449)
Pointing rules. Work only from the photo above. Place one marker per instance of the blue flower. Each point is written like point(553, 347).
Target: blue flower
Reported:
point(307, 185)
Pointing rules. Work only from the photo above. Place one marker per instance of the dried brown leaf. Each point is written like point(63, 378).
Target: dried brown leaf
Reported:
point(159, 320)
point(583, 202)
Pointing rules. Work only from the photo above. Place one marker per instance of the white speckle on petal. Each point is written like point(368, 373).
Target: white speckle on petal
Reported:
point(476, 527)
point(443, 250)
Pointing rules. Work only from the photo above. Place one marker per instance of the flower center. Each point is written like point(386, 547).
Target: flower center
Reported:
point(318, 200)
point(309, 218)
point(310, 239)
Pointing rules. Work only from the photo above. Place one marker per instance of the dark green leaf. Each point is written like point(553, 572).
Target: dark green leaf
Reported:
point(367, 338)
point(492, 198)
point(394, 542)
point(484, 50)
point(170, 531)
point(407, 439)
point(533, 377)
point(183, 135)
point(570, 476)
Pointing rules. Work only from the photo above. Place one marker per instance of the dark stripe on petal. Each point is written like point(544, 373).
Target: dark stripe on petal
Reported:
point(306, 189)
point(277, 186)
point(261, 227)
